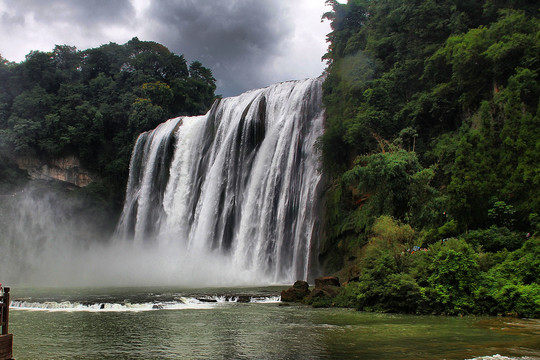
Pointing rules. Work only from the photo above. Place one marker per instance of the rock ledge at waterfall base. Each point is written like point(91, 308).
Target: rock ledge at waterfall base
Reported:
point(325, 288)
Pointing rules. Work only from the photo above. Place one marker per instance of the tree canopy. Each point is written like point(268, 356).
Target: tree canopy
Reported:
point(93, 103)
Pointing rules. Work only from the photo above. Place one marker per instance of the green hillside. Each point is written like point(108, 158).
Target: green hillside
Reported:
point(432, 149)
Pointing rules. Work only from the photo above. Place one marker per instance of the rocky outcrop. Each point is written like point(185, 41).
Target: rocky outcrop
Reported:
point(326, 288)
point(67, 169)
point(296, 293)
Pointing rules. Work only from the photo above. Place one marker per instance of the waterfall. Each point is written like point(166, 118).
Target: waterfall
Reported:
point(241, 183)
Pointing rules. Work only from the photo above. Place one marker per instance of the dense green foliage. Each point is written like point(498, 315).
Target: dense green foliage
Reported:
point(448, 277)
point(94, 103)
point(433, 120)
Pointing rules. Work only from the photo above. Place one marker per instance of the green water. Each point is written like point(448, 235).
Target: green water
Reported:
point(229, 330)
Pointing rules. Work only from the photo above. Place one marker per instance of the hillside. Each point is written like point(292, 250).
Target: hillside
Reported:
point(431, 147)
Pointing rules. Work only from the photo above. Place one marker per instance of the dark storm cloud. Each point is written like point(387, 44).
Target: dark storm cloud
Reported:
point(246, 43)
point(234, 38)
point(85, 12)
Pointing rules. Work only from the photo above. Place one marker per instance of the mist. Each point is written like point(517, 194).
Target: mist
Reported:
point(53, 238)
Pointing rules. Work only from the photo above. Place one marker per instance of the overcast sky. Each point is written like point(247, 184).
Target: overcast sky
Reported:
point(247, 43)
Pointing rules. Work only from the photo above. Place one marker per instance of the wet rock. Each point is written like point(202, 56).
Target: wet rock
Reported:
point(301, 285)
point(243, 299)
point(297, 292)
point(207, 300)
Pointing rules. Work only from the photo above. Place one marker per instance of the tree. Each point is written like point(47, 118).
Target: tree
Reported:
point(453, 278)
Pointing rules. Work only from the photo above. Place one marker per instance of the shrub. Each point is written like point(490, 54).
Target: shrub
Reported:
point(495, 239)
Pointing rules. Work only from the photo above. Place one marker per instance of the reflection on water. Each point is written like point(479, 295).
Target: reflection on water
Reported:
point(255, 330)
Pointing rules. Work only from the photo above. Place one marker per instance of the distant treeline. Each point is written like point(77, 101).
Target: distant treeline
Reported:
point(432, 142)
point(94, 103)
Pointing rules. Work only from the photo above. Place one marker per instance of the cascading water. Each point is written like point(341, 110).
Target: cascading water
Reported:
point(240, 183)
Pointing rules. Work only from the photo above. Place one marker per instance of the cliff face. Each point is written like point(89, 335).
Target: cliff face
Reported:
point(67, 169)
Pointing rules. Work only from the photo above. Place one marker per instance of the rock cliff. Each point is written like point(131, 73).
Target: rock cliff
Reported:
point(67, 169)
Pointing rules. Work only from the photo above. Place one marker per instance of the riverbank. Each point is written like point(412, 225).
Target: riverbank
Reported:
point(454, 276)
point(450, 277)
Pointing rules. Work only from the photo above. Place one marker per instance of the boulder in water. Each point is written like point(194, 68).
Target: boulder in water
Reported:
point(301, 285)
point(297, 292)
point(207, 300)
point(243, 299)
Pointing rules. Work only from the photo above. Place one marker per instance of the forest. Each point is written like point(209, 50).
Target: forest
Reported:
point(93, 104)
point(431, 149)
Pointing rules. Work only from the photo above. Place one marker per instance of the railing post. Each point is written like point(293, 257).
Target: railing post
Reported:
point(4, 316)
point(6, 340)
point(1, 311)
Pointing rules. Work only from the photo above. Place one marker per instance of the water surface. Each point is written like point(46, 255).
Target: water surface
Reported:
point(151, 323)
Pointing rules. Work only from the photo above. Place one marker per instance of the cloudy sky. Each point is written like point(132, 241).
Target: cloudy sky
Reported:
point(247, 43)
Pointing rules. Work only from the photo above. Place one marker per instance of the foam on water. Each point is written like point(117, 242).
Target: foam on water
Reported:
point(500, 357)
point(181, 303)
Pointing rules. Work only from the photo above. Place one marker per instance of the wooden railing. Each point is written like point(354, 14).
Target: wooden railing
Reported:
point(6, 339)
point(4, 310)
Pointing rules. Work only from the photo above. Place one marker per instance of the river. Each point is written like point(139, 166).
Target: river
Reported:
point(170, 323)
